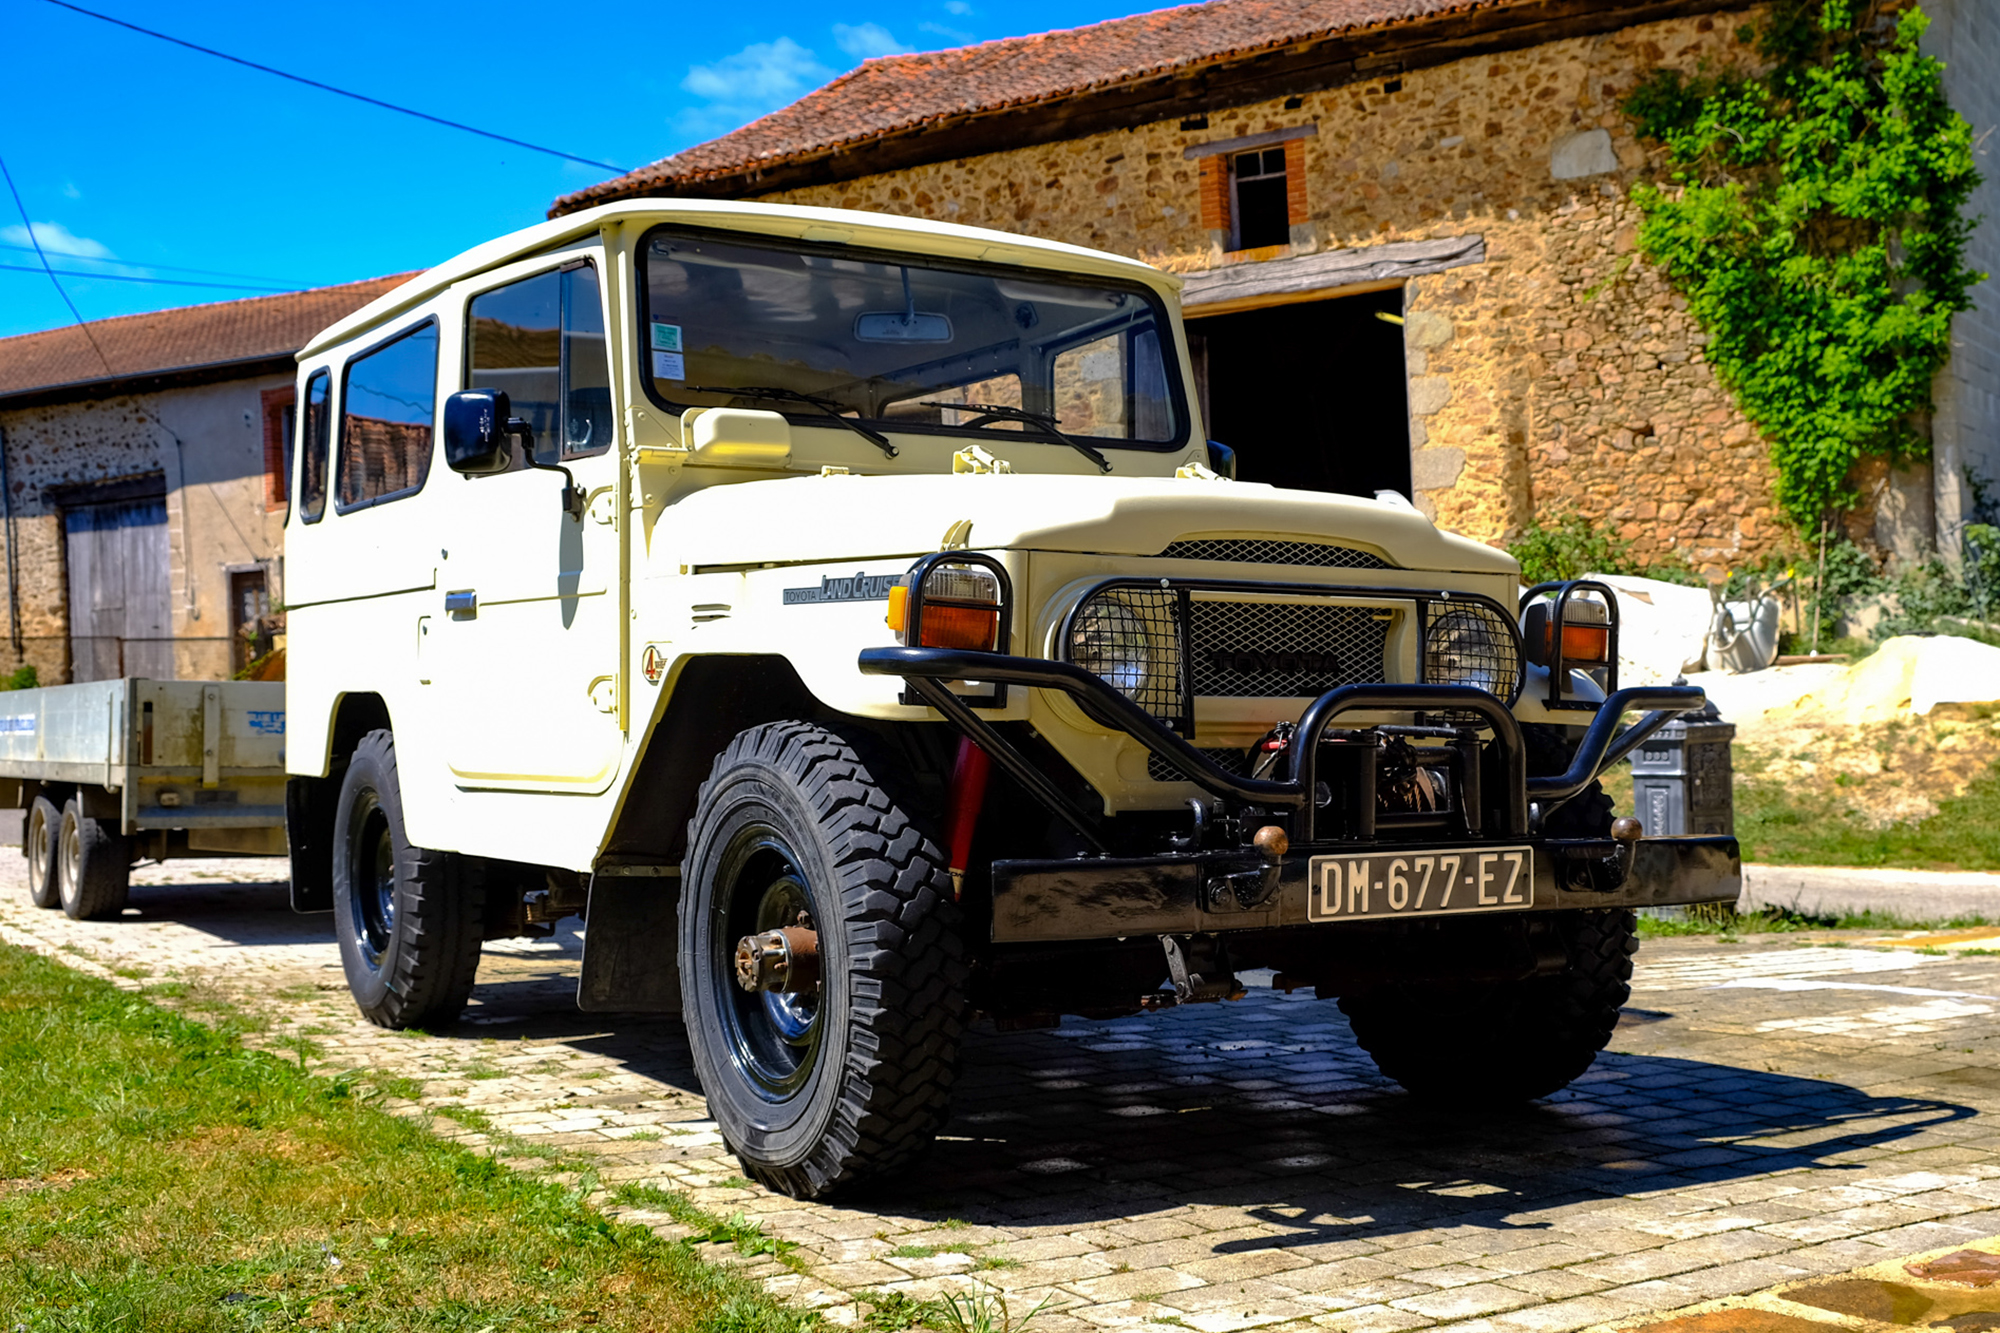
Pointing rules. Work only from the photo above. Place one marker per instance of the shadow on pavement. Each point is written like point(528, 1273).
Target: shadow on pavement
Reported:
point(1266, 1105)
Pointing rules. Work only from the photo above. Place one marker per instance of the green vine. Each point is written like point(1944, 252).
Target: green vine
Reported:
point(1813, 222)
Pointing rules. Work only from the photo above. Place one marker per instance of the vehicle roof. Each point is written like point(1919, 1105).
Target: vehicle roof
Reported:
point(947, 240)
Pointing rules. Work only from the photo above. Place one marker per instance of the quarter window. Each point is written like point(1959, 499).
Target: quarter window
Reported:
point(541, 342)
point(314, 425)
point(388, 406)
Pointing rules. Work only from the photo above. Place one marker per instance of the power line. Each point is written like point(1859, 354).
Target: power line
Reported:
point(169, 268)
point(80, 321)
point(129, 277)
point(329, 88)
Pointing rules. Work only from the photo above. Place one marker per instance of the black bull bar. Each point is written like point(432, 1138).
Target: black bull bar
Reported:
point(1096, 897)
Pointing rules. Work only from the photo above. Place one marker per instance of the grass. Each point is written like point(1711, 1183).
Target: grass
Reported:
point(1724, 920)
point(1779, 826)
point(155, 1174)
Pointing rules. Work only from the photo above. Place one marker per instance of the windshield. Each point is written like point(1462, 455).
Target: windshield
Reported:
point(901, 340)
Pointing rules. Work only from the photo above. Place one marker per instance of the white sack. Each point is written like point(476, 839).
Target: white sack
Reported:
point(1662, 628)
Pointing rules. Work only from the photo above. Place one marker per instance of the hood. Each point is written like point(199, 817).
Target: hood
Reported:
point(840, 518)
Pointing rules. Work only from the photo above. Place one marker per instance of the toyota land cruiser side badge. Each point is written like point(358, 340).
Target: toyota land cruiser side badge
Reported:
point(654, 664)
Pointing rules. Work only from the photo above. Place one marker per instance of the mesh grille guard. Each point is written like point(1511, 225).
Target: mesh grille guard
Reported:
point(1165, 642)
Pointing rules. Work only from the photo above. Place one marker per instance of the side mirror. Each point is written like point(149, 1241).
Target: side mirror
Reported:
point(1221, 459)
point(476, 439)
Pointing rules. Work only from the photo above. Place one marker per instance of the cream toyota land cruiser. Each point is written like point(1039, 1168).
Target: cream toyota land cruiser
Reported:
point(847, 617)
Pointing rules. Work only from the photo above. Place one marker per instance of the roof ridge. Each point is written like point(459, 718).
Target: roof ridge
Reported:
point(115, 322)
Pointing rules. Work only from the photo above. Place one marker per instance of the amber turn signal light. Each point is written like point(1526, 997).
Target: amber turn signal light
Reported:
point(974, 627)
point(1585, 643)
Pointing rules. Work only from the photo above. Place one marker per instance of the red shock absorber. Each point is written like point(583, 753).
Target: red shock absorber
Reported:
point(968, 792)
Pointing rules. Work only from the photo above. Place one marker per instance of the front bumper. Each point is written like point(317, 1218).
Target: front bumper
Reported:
point(1109, 897)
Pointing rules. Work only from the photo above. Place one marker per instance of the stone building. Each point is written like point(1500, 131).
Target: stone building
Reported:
point(1311, 165)
point(143, 485)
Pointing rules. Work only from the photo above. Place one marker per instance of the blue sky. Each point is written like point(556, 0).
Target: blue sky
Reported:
point(140, 158)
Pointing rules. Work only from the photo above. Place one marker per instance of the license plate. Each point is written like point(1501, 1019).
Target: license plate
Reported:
point(1419, 883)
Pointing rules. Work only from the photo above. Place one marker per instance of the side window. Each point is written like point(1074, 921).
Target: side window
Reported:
point(314, 427)
point(1115, 387)
point(586, 366)
point(541, 342)
point(388, 404)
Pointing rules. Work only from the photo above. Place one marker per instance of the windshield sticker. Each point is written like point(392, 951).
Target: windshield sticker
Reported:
point(863, 587)
point(669, 365)
point(666, 337)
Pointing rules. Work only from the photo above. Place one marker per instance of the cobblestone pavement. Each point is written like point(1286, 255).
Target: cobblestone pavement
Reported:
point(1772, 1109)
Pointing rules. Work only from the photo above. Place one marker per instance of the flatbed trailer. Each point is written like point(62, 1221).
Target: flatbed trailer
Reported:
point(113, 772)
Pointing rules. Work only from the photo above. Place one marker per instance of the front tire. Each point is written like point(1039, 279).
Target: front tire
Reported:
point(93, 866)
point(39, 840)
point(1509, 1041)
point(409, 919)
point(819, 1089)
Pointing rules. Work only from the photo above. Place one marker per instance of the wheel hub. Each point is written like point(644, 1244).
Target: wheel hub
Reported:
point(785, 962)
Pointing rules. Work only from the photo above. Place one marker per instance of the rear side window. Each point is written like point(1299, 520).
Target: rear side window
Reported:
point(541, 342)
point(388, 404)
point(315, 426)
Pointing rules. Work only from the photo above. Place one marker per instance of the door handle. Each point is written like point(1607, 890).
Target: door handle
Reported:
point(462, 603)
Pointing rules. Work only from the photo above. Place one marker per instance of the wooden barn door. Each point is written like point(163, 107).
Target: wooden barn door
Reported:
point(119, 609)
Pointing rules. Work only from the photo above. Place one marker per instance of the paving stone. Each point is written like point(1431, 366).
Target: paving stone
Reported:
point(1243, 1162)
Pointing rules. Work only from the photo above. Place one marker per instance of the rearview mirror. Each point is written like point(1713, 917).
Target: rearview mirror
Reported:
point(476, 439)
point(1221, 459)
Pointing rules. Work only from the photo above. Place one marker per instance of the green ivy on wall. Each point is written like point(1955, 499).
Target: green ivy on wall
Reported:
point(1814, 224)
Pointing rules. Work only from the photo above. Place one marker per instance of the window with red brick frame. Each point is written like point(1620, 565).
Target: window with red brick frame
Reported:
point(277, 446)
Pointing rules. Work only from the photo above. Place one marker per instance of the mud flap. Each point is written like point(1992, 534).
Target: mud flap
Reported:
point(309, 806)
point(630, 941)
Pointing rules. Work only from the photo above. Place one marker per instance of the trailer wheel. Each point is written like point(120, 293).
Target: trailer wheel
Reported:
point(843, 1071)
point(1510, 1041)
point(38, 844)
point(409, 919)
point(93, 866)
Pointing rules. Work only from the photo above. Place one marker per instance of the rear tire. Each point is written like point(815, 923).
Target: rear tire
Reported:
point(1510, 1041)
point(409, 920)
point(93, 866)
point(817, 1090)
point(38, 844)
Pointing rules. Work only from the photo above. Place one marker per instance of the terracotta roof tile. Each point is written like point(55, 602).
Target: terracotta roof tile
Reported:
point(179, 339)
point(899, 93)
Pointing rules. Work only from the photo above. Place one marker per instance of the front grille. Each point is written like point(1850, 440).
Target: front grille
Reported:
point(1282, 650)
point(1165, 643)
point(1250, 551)
point(1229, 761)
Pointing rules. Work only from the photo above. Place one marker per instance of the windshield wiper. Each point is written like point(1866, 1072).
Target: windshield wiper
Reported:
point(829, 408)
point(1045, 425)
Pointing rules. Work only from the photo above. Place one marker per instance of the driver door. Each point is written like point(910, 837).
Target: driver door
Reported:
point(525, 647)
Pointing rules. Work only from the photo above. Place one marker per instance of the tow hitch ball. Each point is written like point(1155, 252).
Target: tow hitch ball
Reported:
point(785, 961)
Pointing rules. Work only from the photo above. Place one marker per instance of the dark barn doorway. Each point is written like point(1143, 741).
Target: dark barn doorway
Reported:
point(1311, 395)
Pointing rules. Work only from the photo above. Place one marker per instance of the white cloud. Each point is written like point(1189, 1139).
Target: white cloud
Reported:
point(762, 74)
point(70, 191)
point(57, 239)
point(958, 7)
point(862, 40)
point(955, 36)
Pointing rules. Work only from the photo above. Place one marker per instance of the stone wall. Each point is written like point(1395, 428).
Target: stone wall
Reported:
point(1965, 434)
point(1558, 374)
point(208, 443)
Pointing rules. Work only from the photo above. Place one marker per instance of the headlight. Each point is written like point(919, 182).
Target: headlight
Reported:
point(1471, 645)
point(1109, 640)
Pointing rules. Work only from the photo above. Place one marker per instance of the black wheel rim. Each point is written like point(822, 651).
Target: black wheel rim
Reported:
point(772, 1040)
point(371, 862)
